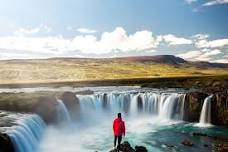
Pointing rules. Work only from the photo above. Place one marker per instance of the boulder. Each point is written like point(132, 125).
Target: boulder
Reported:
point(126, 147)
point(221, 147)
point(5, 143)
point(46, 107)
point(140, 149)
point(72, 103)
point(187, 142)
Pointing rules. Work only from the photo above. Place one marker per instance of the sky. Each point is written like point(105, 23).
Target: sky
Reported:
point(195, 30)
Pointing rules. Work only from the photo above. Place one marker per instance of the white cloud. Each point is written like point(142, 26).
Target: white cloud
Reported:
point(85, 44)
point(212, 44)
point(190, 1)
point(189, 55)
point(173, 40)
point(221, 61)
point(200, 36)
point(215, 2)
point(28, 31)
point(85, 30)
point(200, 55)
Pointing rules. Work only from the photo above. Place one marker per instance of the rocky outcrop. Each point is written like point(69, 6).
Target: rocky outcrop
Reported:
point(219, 112)
point(126, 147)
point(5, 143)
point(46, 108)
point(43, 104)
point(220, 108)
point(72, 103)
point(193, 105)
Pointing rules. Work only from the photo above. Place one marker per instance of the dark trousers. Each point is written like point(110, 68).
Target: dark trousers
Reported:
point(117, 138)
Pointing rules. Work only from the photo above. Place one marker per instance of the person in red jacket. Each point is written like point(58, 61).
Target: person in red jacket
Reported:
point(118, 130)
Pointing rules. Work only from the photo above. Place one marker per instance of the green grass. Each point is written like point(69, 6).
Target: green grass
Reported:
point(61, 70)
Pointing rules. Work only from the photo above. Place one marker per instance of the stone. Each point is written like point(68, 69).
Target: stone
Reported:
point(47, 109)
point(5, 143)
point(140, 149)
point(72, 103)
point(126, 147)
point(187, 142)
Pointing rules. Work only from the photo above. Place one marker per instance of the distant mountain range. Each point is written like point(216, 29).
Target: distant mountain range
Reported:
point(159, 59)
point(173, 60)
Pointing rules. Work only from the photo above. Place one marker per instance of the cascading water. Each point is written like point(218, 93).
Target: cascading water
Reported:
point(27, 133)
point(205, 115)
point(165, 105)
point(62, 112)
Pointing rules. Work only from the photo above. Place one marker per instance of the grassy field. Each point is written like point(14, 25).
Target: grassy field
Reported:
point(62, 70)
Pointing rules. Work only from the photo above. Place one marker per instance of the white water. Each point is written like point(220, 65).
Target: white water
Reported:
point(165, 105)
point(205, 115)
point(62, 113)
point(27, 134)
point(92, 130)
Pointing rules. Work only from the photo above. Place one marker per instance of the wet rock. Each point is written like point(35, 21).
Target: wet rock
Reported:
point(47, 109)
point(85, 92)
point(198, 134)
point(5, 143)
point(140, 149)
point(105, 101)
point(220, 108)
point(193, 105)
point(221, 147)
point(126, 147)
point(140, 103)
point(72, 103)
point(187, 142)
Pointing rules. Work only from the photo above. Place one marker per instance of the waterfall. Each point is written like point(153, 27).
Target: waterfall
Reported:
point(164, 105)
point(205, 115)
point(62, 112)
point(26, 135)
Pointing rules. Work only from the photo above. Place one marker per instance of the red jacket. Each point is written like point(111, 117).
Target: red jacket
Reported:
point(118, 127)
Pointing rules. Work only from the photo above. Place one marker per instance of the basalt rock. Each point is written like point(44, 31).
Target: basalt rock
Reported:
point(5, 143)
point(187, 142)
point(193, 105)
point(46, 107)
point(221, 147)
point(72, 103)
point(43, 104)
point(220, 108)
point(126, 147)
point(140, 149)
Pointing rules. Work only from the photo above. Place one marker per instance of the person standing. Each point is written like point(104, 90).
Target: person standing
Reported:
point(118, 130)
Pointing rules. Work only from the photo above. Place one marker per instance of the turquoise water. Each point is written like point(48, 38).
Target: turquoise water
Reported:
point(157, 135)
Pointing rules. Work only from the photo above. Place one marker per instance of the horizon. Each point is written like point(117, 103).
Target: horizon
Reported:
point(98, 29)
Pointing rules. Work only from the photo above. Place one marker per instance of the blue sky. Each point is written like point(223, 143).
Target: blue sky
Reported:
point(192, 29)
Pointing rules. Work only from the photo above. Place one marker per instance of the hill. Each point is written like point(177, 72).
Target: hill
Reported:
point(77, 69)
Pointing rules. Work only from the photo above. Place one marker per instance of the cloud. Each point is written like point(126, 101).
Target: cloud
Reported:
point(29, 31)
point(200, 55)
point(212, 44)
point(85, 44)
point(115, 40)
point(190, 1)
point(221, 61)
point(200, 36)
point(173, 40)
point(215, 2)
point(86, 31)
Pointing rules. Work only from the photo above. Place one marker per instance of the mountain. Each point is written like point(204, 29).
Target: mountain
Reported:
point(173, 60)
point(158, 59)
point(162, 59)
